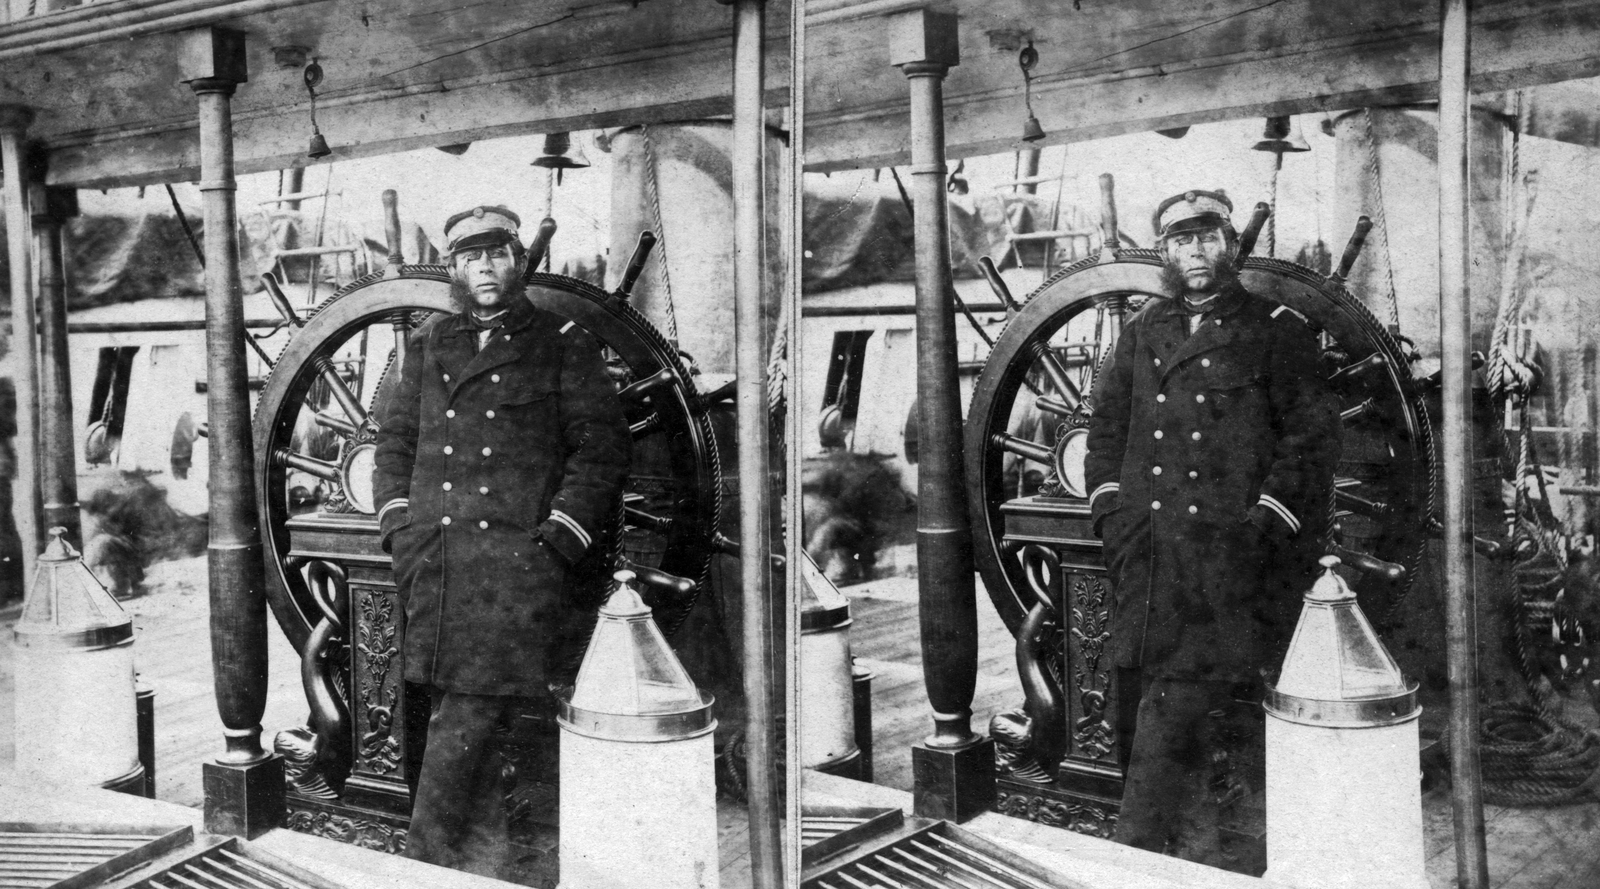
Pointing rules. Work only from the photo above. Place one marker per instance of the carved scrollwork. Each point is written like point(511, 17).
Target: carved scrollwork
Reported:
point(1079, 816)
point(379, 749)
point(1092, 734)
point(1012, 731)
point(361, 832)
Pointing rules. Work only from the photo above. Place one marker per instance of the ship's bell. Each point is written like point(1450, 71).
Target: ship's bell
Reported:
point(319, 146)
point(556, 157)
point(1031, 131)
point(1282, 134)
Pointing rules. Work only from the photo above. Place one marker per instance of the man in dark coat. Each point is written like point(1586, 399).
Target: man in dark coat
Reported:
point(502, 450)
point(1211, 454)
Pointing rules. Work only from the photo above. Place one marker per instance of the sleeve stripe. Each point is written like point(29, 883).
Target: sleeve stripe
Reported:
point(1108, 487)
point(1283, 512)
point(398, 502)
point(568, 326)
point(572, 525)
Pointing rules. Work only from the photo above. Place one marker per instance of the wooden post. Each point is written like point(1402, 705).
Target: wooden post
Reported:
point(244, 787)
point(1455, 347)
point(52, 207)
point(749, 280)
point(953, 769)
point(14, 121)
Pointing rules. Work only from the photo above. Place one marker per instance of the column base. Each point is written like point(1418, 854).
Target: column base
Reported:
point(955, 784)
point(244, 801)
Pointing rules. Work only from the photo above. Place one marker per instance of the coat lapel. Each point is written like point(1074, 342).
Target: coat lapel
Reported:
point(497, 351)
point(1210, 335)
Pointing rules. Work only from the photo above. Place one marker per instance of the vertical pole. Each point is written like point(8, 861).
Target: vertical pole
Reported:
point(755, 559)
point(52, 207)
point(244, 787)
point(794, 201)
point(14, 121)
point(1455, 317)
point(953, 767)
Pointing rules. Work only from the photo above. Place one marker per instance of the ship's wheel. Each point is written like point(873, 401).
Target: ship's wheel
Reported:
point(314, 435)
point(1029, 406)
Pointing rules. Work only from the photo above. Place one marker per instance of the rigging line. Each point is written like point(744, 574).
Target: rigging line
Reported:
point(1190, 30)
point(478, 46)
point(183, 220)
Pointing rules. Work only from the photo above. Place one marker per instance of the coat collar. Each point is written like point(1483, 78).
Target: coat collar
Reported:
point(1173, 344)
point(458, 354)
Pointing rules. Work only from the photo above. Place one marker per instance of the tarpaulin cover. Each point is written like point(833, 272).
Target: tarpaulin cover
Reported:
point(858, 231)
point(117, 258)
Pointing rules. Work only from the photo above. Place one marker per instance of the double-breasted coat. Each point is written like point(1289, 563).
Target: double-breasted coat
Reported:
point(495, 471)
point(1210, 465)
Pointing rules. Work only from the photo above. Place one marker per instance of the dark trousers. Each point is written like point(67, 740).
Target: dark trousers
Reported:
point(458, 819)
point(1191, 742)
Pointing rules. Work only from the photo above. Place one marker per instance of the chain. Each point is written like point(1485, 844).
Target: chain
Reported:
point(670, 311)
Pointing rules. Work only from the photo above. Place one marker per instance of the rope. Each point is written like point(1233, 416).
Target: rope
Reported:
point(670, 311)
point(1531, 755)
point(1509, 374)
point(1269, 234)
point(1380, 217)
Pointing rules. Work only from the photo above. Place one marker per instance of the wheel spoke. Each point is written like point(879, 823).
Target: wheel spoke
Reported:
point(1053, 405)
point(337, 424)
point(341, 393)
point(647, 521)
point(1369, 564)
point(1023, 448)
point(1058, 375)
point(1360, 368)
point(1351, 415)
point(1372, 509)
point(319, 468)
point(648, 426)
point(641, 390)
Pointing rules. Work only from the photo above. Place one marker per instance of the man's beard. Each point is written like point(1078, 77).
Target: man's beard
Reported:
point(461, 295)
point(1173, 281)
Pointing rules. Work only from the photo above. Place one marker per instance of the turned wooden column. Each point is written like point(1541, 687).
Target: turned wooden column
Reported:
point(953, 769)
point(755, 505)
point(14, 121)
point(58, 465)
point(244, 787)
point(1455, 357)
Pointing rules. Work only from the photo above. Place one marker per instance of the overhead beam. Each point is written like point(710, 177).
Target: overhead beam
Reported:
point(1373, 52)
point(685, 83)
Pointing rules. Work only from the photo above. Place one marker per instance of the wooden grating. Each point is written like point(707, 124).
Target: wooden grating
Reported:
point(60, 856)
point(233, 864)
point(826, 831)
point(940, 856)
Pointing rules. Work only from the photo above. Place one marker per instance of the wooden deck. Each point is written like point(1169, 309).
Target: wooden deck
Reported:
point(1529, 848)
point(172, 654)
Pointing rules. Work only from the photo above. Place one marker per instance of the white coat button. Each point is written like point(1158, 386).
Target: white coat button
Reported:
point(483, 490)
point(1193, 509)
point(1219, 322)
point(1158, 362)
point(1155, 504)
point(1155, 470)
point(1205, 362)
point(1193, 474)
point(445, 520)
point(489, 414)
point(487, 451)
point(1195, 436)
point(1160, 399)
point(1200, 398)
point(494, 378)
point(507, 337)
point(1159, 433)
point(447, 378)
point(485, 525)
point(450, 414)
point(448, 450)
point(446, 486)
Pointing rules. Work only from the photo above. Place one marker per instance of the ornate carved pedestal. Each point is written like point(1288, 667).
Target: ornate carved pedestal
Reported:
point(383, 727)
point(1054, 538)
